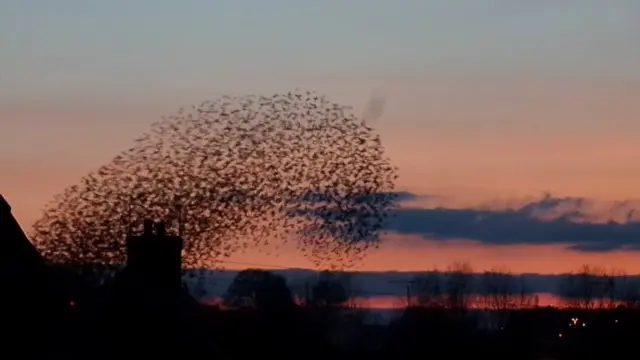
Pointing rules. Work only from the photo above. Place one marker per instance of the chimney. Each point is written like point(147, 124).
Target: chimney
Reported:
point(148, 227)
point(156, 257)
point(160, 229)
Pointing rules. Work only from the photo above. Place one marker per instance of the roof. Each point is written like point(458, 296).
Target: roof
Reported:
point(14, 241)
point(4, 205)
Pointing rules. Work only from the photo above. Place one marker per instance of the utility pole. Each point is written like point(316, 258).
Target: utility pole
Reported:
point(408, 295)
point(407, 288)
point(306, 293)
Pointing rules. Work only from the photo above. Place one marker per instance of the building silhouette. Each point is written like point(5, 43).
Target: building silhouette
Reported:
point(155, 259)
point(18, 255)
point(31, 303)
point(143, 310)
point(145, 305)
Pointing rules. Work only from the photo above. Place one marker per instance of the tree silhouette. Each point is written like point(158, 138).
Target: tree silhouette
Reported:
point(329, 290)
point(232, 174)
point(502, 293)
point(627, 290)
point(499, 289)
point(590, 287)
point(428, 290)
point(258, 289)
point(459, 286)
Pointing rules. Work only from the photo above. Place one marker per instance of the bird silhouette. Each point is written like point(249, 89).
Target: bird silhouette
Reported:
point(234, 174)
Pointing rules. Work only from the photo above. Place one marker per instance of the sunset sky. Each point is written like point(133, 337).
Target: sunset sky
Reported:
point(490, 104)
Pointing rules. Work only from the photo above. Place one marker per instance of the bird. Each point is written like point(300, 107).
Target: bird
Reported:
point(241, 173)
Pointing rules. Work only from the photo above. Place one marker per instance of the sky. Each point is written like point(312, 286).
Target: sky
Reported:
point(490, 104)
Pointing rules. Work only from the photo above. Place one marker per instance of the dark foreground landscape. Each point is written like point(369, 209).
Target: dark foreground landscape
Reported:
point(144, 309)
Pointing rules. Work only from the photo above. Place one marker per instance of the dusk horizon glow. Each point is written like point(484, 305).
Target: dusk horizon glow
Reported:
point(487, 108)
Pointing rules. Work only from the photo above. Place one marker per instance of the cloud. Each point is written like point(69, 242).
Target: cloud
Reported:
point(580, 223)
point(551, 220)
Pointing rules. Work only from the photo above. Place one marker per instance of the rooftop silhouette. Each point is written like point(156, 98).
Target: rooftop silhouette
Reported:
point(31, 302)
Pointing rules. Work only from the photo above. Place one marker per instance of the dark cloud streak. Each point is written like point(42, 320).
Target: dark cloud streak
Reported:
point(522, 225)
point(514, 227)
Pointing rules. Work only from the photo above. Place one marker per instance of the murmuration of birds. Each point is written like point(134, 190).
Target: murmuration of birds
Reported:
point(233, 174)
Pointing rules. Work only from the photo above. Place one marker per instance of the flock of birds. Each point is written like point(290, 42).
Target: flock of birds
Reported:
point(232, 174)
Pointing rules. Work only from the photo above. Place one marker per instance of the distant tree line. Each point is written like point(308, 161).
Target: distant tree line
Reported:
point(456, 289)
point(455, 311)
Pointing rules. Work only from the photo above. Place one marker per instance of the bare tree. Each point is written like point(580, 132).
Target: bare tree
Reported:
point(590, 287)
point(577, 290)
point(428, 290)
point(630, 293)
point(526, 299)
point(498, 289)
point(459, 286)
point(610, 287)
point(627, 290)
point(501, 293)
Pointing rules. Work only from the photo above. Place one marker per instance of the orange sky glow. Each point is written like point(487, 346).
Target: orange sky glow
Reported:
point(388, 302)
point(472, 141)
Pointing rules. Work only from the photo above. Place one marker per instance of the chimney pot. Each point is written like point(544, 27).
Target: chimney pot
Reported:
point(148, 227)
point(160, 229)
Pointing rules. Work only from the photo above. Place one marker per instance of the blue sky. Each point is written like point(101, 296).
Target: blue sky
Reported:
point(73, 44)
